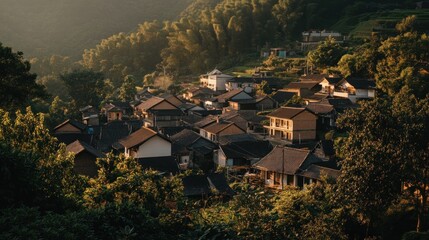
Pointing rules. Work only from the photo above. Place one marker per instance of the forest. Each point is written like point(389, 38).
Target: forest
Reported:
point(382, 146)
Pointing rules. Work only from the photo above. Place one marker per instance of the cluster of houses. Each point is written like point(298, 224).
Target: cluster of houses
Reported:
point(221, 123)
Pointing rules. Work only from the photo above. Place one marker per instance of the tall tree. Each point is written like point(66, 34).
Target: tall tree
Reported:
point(386, 147)
point(17, 84)
point(326, 54)
point(84, 86)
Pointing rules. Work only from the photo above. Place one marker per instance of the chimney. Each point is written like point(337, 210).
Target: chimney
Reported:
point(217, 118)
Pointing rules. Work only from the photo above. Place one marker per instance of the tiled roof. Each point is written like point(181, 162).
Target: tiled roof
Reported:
point(74, 123)
point(228, 95)
point(317, 96)
point(316, 171)
point(303, 85)
point(333, 80)
point(161, 164)
point(138, 137)
point(360, 83)
point(283, 160)
point(320, 108)
point(68, 138)
point(247, 149)
point(217, 127)
point(282, 96)
point(78, 147)
point(112, 132)
point(286, 112)
point(151, 102)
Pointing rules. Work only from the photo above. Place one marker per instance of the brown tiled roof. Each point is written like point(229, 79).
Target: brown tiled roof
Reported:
point(150, 103)
point(78, 147)
point(228, 95)
point(217, 127)
point(74, 123)
point(286, 112)
point(283, 160)
point(302, 85)
point(138, 137)
point(320, 108)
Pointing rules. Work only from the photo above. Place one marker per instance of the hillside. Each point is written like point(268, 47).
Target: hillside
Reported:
point(66, 27)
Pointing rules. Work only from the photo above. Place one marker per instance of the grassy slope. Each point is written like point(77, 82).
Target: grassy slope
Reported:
point(66, 27)
point(362, 25)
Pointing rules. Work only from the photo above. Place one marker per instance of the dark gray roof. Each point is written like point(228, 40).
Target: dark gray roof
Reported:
point(316, 171)
point(247, 149)
point(361, 83)
point(187, 140)
point(196, 185)
point(161, 164)
point(68, 138)
point(203, 185)
point(111, 133)
point(78, 147)
point(282, 96)
point(237, 138)
point(333, 80)
point(218, 182)
point(303, 85)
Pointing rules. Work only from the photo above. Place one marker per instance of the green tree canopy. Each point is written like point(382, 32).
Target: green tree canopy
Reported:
point(84, 86)
point(326, 54)
point(17, 84)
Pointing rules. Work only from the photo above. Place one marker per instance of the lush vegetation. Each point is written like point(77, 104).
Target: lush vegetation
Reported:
point(383, 148)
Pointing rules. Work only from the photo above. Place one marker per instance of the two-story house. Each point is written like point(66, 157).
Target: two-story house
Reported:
point(145, 143)
point(222, 100)
point(159, 112)
point(355, 89)
point(215, 80)
point(220, 128)
point(292, 124)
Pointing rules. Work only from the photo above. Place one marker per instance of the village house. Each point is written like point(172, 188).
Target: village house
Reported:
point(215, 80)
point(238, 156)
point(222, 100)
point(355, 89)
point(116, 111)
point(160, 112)
point(329, 83)
point(292, 124)
point(282, 96)
point(146, 143)
point(285, 166)
point(249, 84)
point(303, 89)
point(192, 150)
point(220, 128)
point(85, 158)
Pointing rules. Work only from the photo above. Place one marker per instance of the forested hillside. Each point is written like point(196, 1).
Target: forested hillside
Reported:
point(219, 33)
point(66, 27)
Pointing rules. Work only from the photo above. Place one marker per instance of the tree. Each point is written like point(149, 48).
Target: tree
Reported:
point(404, 63)
point(122, 181)
point(386, 146)
point(263, 89)
point(35, 169)
point(326, 54)
point(17, 84)
point(128, 89)
point(84, 86)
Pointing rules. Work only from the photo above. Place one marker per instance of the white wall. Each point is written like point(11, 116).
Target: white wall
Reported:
point(154, 147)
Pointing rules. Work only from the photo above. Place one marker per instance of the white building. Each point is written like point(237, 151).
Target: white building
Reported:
point(215, 80)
